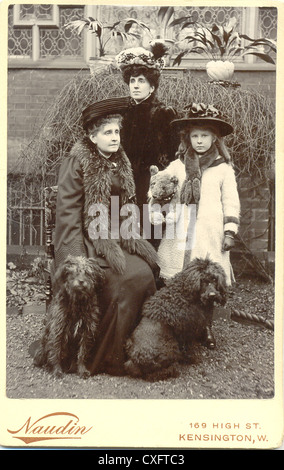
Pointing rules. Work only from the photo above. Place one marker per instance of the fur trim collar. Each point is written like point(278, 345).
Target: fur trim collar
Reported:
point(97, 183)
point(97, 172)
point(208, 158)
point(97, 176)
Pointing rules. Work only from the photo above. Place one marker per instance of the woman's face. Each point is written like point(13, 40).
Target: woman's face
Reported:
point(107, 138)
point(140, 88)
point(201, 139)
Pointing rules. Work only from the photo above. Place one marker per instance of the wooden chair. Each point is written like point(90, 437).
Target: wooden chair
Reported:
point(50, 196)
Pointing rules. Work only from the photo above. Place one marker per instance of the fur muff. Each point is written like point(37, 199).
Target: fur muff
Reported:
point(72, 318)
point(174, 319)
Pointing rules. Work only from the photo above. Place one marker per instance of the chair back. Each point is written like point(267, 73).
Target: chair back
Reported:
point(50, 197)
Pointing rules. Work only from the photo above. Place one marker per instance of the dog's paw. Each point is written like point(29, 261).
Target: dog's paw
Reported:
point(39, 358)
point(169, 372)
point(57, 372)
point(132, 369)
point(83, 372)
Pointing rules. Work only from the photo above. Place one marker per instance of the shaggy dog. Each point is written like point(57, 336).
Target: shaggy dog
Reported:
point(72, 318)
point(173, 319)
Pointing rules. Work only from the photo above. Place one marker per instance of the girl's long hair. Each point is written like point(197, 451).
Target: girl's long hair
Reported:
point(186, 144)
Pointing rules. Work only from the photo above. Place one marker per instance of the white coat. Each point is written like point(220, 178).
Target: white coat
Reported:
point(218, 211)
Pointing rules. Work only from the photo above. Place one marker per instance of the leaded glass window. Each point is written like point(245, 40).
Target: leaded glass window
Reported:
point(37, 32)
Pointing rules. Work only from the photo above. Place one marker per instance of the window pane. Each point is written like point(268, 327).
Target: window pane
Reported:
point(19, 39)
point(40, 12)
point(268, 22)
point(61, 41)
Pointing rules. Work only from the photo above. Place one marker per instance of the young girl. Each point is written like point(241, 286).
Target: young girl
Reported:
point(218, 209)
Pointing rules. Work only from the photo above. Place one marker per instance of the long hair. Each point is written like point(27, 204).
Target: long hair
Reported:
point(186, 143)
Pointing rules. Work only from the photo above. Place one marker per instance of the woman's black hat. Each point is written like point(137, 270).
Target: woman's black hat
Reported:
point(104, 108)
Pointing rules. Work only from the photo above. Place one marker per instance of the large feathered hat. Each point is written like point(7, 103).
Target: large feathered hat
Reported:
point(152, 58)
point(197, 114)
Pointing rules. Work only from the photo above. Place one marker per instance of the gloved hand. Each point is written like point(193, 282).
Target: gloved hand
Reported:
point(228, 241)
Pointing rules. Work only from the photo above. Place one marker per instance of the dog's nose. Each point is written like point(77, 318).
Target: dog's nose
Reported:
point(79, 283)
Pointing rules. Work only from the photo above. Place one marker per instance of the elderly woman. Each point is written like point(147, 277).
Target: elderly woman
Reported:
point(96, 170)
point(146, 131)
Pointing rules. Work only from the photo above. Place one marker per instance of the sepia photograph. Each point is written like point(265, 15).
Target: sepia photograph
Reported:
point(142, 171)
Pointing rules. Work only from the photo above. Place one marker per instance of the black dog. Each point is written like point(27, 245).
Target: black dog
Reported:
point(173, 319)
point(72, 318)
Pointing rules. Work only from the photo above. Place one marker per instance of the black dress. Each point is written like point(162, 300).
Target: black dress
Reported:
point(123, 295)
point(147, 140)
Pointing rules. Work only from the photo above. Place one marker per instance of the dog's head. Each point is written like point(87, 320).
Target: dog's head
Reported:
point(79, 276)
point(205, 280)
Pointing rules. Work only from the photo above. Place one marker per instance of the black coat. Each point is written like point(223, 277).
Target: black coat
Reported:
point(147, 140)
point(87, 178)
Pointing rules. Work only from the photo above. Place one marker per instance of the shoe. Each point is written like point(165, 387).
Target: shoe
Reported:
point(209, 340)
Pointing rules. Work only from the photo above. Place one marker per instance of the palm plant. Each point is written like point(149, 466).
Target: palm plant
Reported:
point(106, 33)
point(221, 42)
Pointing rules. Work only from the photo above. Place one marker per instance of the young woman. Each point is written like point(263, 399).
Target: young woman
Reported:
point(218, 210)
point(96, 170)
point(146, 131)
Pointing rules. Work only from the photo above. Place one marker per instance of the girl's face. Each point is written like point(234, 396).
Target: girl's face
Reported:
point(201, 139)
point(140, 88)
point(107, 138)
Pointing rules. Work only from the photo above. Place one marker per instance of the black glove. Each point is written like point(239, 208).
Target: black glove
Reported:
point(229, 240)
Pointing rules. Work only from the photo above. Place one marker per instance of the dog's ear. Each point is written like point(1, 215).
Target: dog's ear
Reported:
point(97, 272)
point(222, 285)
point(62, 270)
point(192, 278)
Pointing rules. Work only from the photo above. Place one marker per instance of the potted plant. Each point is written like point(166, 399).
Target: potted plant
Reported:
point(222, 45)
point(119, 31)
point(125, 31)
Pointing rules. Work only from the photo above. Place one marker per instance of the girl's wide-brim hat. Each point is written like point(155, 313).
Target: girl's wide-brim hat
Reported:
point(152, 59)
point(104, 108)
point(199, 114)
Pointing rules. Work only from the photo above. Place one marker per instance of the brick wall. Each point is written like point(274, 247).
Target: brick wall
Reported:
point(255, 214)
point(29, 93)
point(254, 251)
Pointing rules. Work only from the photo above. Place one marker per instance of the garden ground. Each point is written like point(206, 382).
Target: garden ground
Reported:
point(241, 366)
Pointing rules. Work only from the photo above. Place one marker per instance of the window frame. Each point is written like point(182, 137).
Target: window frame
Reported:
point(250, 24)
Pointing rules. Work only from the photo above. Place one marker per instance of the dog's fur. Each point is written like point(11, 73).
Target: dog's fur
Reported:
point(173, 319)
point(72, 318)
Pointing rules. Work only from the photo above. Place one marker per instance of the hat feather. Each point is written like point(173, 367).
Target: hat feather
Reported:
point(158, 49)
